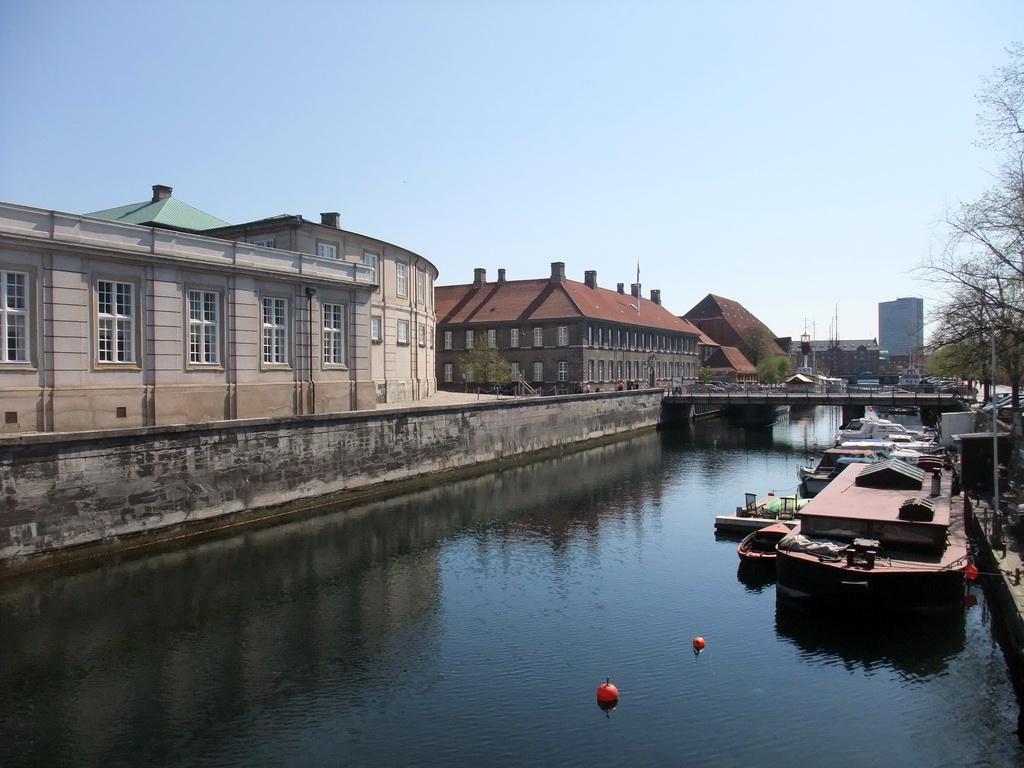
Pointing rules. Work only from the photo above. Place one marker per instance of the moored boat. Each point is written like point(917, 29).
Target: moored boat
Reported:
point(887, 535)
point(759, 546)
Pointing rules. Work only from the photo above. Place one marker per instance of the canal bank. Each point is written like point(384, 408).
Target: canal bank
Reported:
point(78, 495)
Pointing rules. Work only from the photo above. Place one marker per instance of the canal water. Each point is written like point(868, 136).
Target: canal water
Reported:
point(471, 624)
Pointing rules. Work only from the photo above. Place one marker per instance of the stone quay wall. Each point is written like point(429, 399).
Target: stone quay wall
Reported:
point(62, 493)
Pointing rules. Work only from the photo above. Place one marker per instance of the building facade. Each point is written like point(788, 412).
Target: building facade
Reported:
point(114, 325)
point(901, 326)
point(560, 335)
point(401, 322)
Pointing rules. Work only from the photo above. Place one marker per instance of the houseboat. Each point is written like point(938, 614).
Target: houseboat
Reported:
point(887, 535)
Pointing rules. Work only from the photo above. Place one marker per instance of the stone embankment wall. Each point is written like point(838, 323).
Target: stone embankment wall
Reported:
point(63, 492)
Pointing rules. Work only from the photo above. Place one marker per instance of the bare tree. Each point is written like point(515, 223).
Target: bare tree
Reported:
point(980, 265)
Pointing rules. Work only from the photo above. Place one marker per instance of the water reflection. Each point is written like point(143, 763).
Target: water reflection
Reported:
point(143, 655)
point(917, 647)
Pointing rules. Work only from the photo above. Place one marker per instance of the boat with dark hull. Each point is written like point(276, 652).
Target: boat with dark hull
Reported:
point(758, 547)
point(887, 535)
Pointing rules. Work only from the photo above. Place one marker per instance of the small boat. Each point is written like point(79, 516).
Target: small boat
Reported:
point(814, 478)
point(759, 546)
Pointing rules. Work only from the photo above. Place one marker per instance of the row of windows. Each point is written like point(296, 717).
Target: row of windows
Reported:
point(370, 259)
point(117, 321)
point(636, 340)
point(562, 371)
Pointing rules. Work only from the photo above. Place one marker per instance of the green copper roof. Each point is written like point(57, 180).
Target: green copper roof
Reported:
point(167, 212)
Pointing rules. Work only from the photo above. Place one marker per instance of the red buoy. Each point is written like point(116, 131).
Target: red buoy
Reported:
point(607, 693)
point(698, 644)
point(971, 572)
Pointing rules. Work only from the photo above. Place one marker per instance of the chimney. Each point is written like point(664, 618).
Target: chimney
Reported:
point(557, 271)
point(590, 278)
point(621, 288)
point(501, 275)
point(479, 276)
point(160, 192)
point(634, 290)
point(332, 219)
point(656, 296)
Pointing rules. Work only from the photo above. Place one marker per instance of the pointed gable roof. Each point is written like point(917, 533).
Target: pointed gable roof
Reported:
point(161, 211)
point(726, 321)
point(525, 300)
point(730, 358)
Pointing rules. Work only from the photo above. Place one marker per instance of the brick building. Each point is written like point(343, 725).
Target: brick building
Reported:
point(562, 335)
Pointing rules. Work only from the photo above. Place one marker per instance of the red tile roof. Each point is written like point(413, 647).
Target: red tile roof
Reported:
point(731, 358)
point(726, 321)
point(544, 299)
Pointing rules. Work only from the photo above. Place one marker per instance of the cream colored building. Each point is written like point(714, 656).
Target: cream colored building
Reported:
point(109, 325)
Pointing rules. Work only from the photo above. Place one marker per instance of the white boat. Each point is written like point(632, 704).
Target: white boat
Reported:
point(834, 460)
point(871, 427)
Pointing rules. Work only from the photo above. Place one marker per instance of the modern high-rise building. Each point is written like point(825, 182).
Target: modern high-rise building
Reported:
point(901, 325)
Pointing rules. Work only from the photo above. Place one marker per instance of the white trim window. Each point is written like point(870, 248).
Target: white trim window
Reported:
point(538, 338)
point(448, 373)
point(563, 370)
point(513, 338)
point(275, 330)
point(115, 322)
point(327, 251)
point(421, 285)
point(563, 336)
point(517, 372)
point(447, 339)
point(469, 339)
point(203, 327)
point(334, 334)
point(401, 278)
point(421, 335)
point(538, 371)
point(264, 243)
point(370, 260)
point(403, 331)
point(14, 317)
point(492, 338)
point(376, 334)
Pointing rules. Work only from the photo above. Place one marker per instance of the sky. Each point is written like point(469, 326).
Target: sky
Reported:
point(796, 157)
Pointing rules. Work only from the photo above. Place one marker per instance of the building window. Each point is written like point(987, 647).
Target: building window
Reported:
point(590, 370)
point(447, 339)
point(469, 339)
point(334, 334)
point(204, 327)
point(563, 370)
point(403, 331)
point(563, 336)
point(400, 278)
point(538, 371)
point(370, 260)
point(264, 243)
point(430, 333)
point(421, 285)
point(327, 250)
point(115, 307)
point(590, 335)
point(517, 372)
point(492, 339)
point(448, 372)
point(14, 317)
point(421, 331)
point(274, 329)
point(600, 370)
point(513, 338)
point(538, 337)
point(376, 334)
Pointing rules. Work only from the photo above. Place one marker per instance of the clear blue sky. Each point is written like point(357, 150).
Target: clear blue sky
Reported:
point(793, 156)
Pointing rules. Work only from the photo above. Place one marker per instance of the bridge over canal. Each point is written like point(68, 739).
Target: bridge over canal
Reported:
point(683, 407)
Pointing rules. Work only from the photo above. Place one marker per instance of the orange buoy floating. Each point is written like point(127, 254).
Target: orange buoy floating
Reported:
point(607, 693)
point(698, 644)
point(971, 572)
